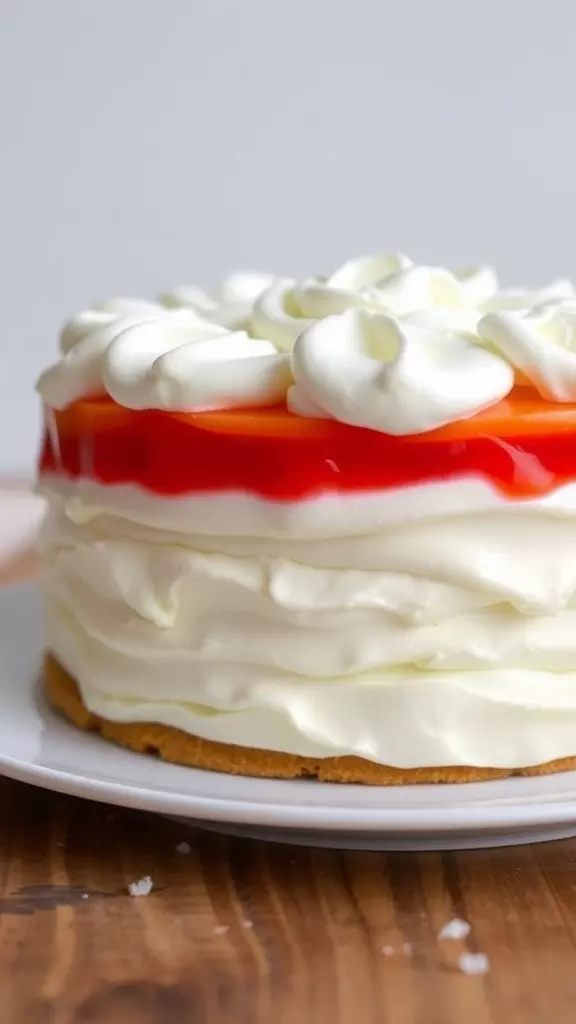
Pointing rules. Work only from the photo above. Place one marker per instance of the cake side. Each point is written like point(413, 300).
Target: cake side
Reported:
point(329, 529)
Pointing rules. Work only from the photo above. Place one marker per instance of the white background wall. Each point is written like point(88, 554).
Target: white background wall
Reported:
point(152, 142)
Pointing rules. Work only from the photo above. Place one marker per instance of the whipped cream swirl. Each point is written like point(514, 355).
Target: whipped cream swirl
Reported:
point(560, 290)
point(169, 359)
point(102, 315)
point(380, 343)
point(286, 309)
point(370, 370)
point(231, 305)
point(541, 342)
point(389, 283)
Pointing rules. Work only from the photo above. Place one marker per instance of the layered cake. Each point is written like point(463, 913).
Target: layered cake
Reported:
point(322, 527)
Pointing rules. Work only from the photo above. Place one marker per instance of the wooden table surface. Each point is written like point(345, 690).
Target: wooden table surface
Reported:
point(245, 932)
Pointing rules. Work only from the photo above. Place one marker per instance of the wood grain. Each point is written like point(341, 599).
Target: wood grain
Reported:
point(251, 933)
point(241, 932)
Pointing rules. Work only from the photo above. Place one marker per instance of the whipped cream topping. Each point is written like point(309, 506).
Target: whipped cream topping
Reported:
point(414, 288)
point(446, 640)
point(525, 298)
point(369, 369)
point(166, 359)
point(231, 305)
point(380, 343)
point(102, 315)
point(541, 342)
point(389, 283)
point(286, 309)
point(192, 366)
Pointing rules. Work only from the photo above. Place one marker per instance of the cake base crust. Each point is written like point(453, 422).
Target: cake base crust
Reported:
point(181, 748)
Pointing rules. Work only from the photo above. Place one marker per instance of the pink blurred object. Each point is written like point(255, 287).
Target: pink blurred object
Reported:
point(21, 513)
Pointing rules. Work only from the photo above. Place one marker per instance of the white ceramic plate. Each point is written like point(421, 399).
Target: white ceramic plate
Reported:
point(37, 746)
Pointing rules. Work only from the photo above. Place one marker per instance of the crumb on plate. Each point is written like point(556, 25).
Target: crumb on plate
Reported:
point(455, 929)
point(141, 888)
point(474, 963)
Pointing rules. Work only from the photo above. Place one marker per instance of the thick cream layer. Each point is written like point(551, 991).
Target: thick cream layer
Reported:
point(448, 640)
point(460, 533)
point(502, 719)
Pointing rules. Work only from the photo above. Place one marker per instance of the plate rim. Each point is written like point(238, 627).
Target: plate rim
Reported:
point(271, 814)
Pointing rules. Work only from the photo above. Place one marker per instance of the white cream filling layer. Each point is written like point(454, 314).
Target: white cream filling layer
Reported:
point(447, 640)
point(510, 718)
point(226, 514)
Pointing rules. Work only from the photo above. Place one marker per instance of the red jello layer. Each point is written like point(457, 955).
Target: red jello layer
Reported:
point(524, 447)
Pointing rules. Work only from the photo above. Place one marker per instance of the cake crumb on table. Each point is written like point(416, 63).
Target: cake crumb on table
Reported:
point(407, 948)
point(388, 950)
point(141, 888)
point(221, 929)
point(455, 929)
point(183, 848)
point(474, 963)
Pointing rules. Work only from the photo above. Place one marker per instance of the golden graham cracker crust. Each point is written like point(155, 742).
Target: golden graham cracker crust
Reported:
point(181, 748)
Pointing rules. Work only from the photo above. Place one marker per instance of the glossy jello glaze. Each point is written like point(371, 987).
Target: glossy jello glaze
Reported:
point(524, 446)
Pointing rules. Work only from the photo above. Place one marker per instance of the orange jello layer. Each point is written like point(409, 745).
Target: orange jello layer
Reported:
point(524, 445)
